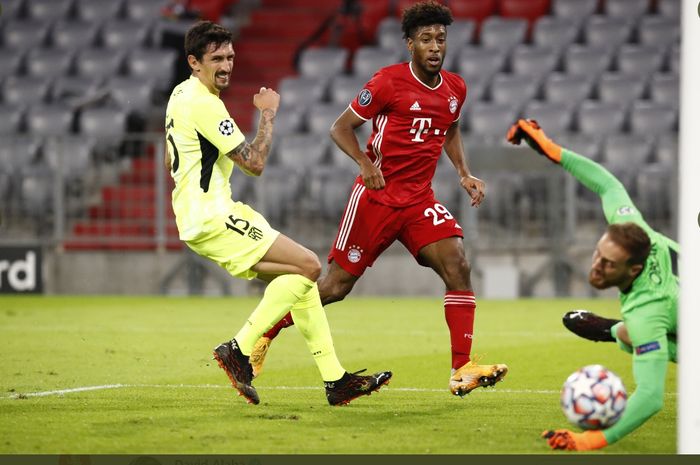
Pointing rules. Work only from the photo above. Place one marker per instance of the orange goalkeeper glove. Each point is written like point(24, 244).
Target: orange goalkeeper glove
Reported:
point(535, 138)
point(568, 440)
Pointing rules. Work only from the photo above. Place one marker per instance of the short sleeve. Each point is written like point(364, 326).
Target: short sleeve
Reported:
point(211, 120)
point(374, 97)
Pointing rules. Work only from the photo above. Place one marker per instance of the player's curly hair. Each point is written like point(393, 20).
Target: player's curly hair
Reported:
point(203, 33)
point(424, 14)
point(633, 239)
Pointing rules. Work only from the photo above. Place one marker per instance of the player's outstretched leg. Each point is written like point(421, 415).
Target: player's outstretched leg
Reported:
point(471, 376)
point(352, 385)
point(238, 368)
point(590, 326)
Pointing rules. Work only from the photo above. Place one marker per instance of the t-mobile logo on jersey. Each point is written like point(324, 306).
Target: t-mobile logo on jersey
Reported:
point(424, 125)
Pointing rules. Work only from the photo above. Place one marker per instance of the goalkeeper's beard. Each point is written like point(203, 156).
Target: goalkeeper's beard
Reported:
point(597, 280)
point(601, 280)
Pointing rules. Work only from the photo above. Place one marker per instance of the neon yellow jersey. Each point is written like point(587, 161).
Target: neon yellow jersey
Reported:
point(199, 134)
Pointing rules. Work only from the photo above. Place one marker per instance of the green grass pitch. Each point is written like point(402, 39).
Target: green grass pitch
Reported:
point(161, 392)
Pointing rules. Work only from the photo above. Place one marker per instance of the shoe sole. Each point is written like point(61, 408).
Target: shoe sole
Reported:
point(244, 390)
point(347, 401)
point(484, 382)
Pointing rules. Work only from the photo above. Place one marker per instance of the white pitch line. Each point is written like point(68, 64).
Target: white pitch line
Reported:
point(60, 392)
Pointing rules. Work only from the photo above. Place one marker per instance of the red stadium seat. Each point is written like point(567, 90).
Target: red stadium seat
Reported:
point(330, 5)
point(372, 13)
point(528, 9)
point(531, 10)
point(125, 217)
point(477, 10)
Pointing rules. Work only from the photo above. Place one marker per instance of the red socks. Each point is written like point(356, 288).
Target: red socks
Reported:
point(285, 322)
point(459, 314)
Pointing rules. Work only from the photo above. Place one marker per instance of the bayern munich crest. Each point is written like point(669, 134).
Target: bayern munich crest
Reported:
point(354, 254)
point(453, 103)
point(226, 127)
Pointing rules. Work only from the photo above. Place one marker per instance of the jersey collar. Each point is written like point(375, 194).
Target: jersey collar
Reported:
point(423, 83)
point(198, 83)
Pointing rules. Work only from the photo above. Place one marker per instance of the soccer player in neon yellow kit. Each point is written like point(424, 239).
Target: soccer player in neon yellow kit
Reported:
point(643, 264)
point(203, 146)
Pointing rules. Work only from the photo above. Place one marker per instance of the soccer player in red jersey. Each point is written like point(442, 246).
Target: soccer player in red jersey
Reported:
point(414, 108)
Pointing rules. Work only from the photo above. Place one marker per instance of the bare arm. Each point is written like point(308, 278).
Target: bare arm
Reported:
point(166, 158)
point(455, 151)
point(251, 158)
point(343, 134)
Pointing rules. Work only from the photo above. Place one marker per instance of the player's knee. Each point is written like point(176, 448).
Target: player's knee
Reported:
point(657, 405)
point(311, 266)
point(333, 291)
point(654, 402)
point(652, 398)
point(457, 273)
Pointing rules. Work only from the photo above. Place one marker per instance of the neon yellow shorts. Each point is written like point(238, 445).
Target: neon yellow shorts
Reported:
point(236, 241)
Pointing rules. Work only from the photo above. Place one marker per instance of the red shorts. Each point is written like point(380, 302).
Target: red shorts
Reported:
point(367, 228)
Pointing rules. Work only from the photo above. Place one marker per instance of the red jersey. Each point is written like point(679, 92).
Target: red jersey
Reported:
point(409, 124)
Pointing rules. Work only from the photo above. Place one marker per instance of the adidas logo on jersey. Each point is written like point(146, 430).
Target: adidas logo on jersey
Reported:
point(415, 106)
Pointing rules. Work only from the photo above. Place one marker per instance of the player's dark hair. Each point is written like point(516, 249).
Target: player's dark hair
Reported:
point(424, 14)
point(202, 34)
point(633, 239)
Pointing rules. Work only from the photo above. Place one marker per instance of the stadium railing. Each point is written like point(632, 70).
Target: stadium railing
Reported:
point(103, 196)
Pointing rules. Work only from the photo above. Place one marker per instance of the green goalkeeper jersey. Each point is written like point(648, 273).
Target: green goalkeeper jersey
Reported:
point(649, 308)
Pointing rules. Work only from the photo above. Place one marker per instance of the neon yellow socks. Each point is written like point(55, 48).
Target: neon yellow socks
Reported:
point(310, 318)
point(295, 293)
point(280, 295)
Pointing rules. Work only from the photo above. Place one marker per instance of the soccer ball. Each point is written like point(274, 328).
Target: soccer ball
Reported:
point(593, 397)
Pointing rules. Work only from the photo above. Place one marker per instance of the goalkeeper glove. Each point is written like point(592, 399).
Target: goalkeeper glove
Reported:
point(568, 440)
point(535, 138)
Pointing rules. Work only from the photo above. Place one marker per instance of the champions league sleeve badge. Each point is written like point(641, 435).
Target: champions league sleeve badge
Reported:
point(626, 210)
point(226, 127)
point(364, 98)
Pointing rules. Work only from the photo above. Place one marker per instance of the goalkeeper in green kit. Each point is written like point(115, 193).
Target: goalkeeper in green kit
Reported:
point(643, 264)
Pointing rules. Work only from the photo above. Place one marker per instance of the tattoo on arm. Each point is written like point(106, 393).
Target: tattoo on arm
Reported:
point(251, 158)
